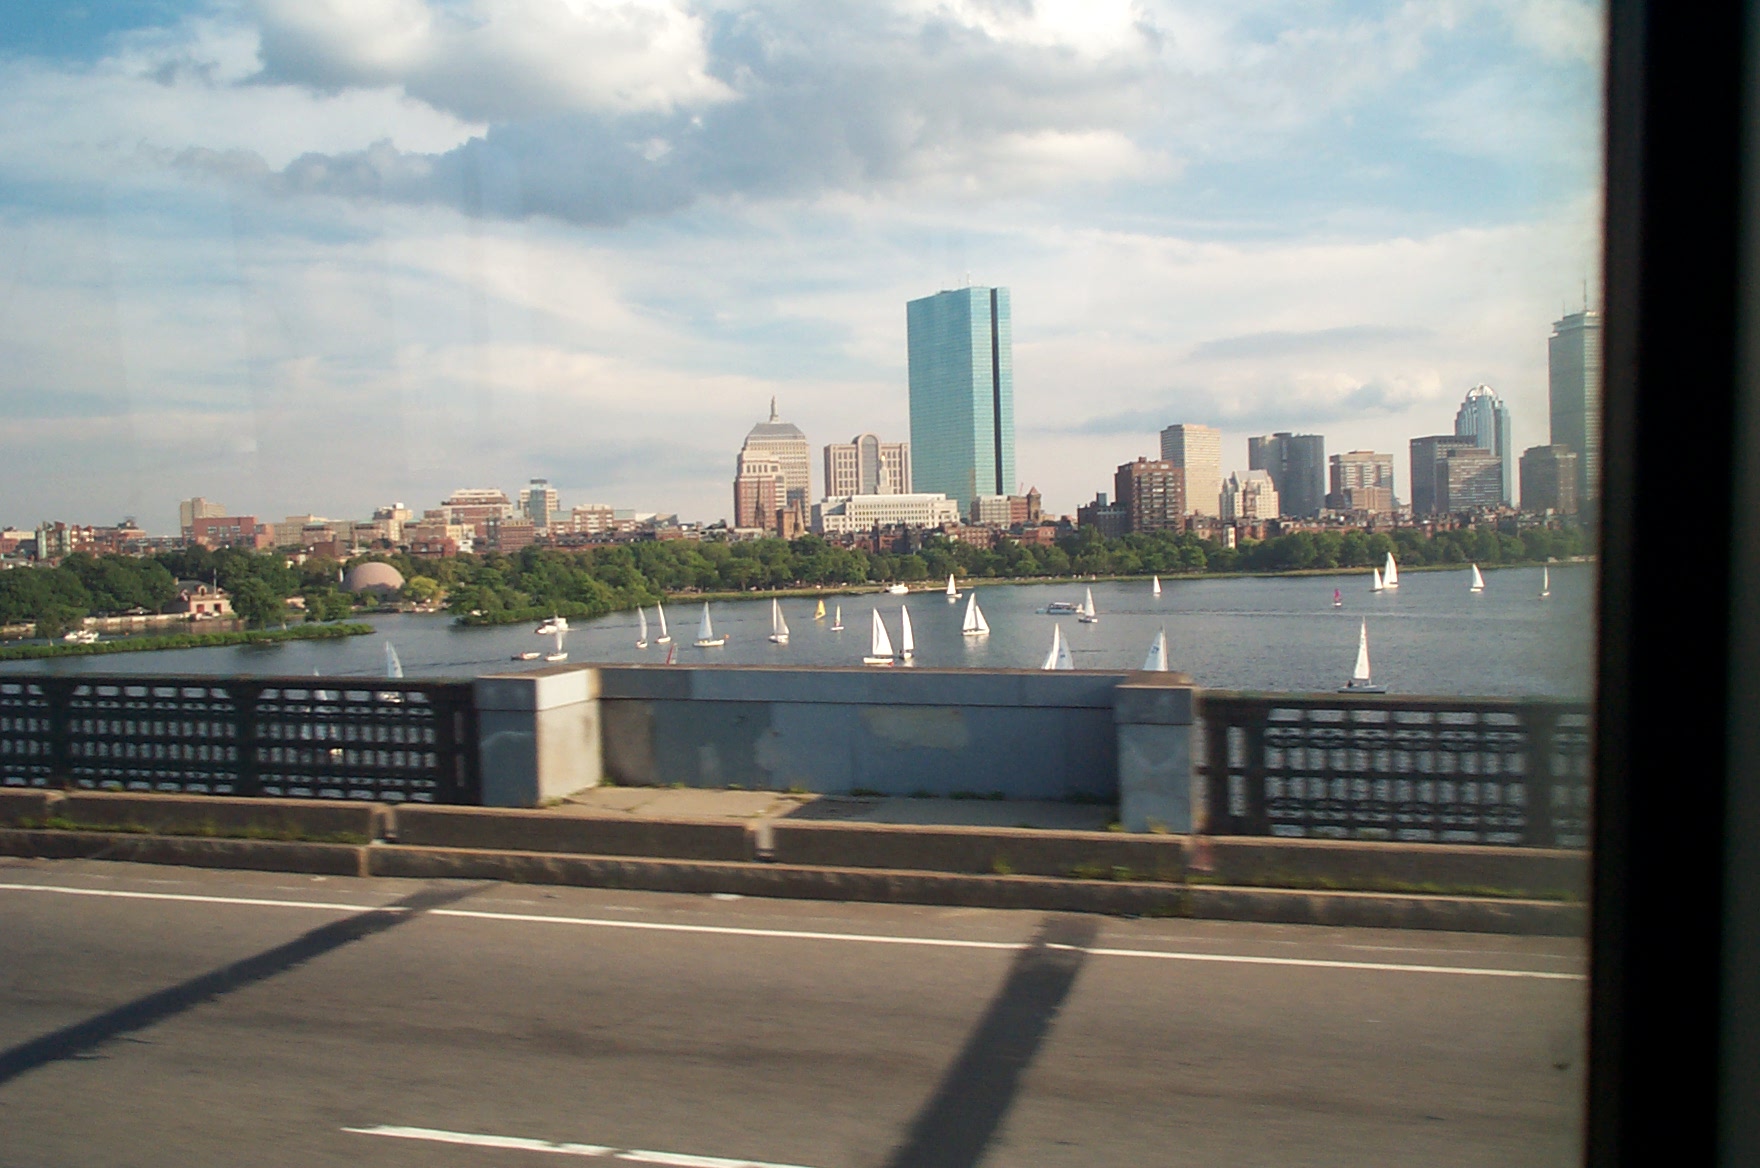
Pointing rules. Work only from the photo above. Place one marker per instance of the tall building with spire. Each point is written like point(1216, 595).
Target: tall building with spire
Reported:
point(961, 347)
point(1573, 361)
point(1485, 419)
point(785, 444)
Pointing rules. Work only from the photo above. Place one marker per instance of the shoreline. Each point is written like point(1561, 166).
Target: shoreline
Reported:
point(151, 644)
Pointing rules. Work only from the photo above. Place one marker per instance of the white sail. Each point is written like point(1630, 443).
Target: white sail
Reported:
point(974, 625)
point(1051, 656)
point(560, 654)
point(393, 667)
point(660, 611)
point(881, 644)
point(1155, 588)
point(1156, 661)
point(1390, 574)
point(907, 644)
point(952, 591)
point(1064, 660)
point(641, 627)
point(1377, 585)
point(1088, 604)
point(837, 621)
point(778, 623)
point(1545, 582)
point(1360, 675)
point(1478, 584)
point(706, 627)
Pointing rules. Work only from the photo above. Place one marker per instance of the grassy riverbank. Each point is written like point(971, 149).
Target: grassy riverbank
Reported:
point(187, 641)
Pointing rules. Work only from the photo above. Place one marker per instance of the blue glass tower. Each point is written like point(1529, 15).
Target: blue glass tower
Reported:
point(962, 394)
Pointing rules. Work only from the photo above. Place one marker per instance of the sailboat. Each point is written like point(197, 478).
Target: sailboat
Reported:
point(706, 638)
point(819, 613)
point(1377, 585)
point(975, 625)
point(393, 667)
point(880, 645)
point(1058, 657)
point(664, 637)
point(556, 624)
point(837, 620)
point(1337, 598)
point(642, 628)
point(1390, 574)
point(561, 654)
point(952, 589)
point(1478, 584)
point(1155, 586)
point(1359, 682)
point(1156, 661)
point(778, 623)
point(1089, 616)
point(907, 644)
point(1545, 582)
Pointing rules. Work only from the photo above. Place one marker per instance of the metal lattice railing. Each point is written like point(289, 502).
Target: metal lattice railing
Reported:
point(387, 741)
point(1471, 770)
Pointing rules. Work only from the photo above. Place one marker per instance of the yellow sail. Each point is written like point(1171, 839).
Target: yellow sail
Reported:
point(819, 613)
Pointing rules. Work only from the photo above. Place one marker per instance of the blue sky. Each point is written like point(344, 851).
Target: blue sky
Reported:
point(318, 255)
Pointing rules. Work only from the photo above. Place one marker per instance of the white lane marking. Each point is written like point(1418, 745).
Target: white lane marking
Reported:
point(632, 1155)
point(804, 935)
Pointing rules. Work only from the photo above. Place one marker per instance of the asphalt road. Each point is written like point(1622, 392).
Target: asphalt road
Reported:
point(182, 1018)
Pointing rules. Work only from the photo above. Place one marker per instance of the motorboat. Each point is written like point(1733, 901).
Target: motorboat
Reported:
point(898, 590)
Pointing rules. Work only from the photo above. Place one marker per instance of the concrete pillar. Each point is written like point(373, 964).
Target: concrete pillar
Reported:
point(538, 734)
point(1153, 716)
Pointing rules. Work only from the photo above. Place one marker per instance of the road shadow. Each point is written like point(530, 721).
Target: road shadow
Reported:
point(82, 1037)
point(959, 1120)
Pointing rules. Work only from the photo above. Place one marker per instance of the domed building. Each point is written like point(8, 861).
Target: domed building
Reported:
point(377, 578)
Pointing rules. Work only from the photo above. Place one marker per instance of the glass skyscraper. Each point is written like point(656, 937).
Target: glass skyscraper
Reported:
point(1574, 387)
point(1485, 419)
point(962, 394)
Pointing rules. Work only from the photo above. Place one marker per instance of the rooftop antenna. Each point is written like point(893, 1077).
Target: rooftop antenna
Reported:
point(1585, 294)
point(772, 407)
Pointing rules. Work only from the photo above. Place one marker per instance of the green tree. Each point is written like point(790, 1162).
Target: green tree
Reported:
point(257, 602)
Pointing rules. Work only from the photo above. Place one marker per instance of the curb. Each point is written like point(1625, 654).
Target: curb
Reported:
point(1041, 893)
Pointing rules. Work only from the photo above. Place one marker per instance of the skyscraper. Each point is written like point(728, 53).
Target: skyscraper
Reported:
point(1196, 451)
point(1549, 479)
point(1297, 466)
point(537, 501)
point(867, 466)
point(1426, 453)
point(757, 492)
point(961, 351)
point(1573, 359)
point(1467, 478)
point(783, 442)
point(1152, 495)
point(1485, 419)
point(1361, 480)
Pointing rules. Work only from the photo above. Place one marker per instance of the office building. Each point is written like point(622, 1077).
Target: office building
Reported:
point(1297, 466)
point(1252, 498)
point(1006, 510)
point(867, 466)
point(191, 510)
point(1485, 419)
point(1152, 493)
point(783, 443)
point(1426, 451)
point(961, 353)
point(1573, 361)
point(538, 501)
point(1549, 479)
point(217, 531)
point(1360, 481)
point(851, 513)
point(1196, 452)
point(473, 507)
point(758, 492)
point(1468, 478)
point(1104, 516)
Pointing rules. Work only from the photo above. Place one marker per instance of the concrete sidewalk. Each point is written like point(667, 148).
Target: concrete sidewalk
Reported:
point(761, 806)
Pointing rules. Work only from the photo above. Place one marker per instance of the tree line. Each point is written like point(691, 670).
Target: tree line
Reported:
point(492, 587)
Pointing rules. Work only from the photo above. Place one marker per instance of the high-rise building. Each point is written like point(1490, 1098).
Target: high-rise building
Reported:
point(1196, 451)
point(1152, 493)
point(1485, 419)
point(758, 492)
point(191, 510)
point(1573, 360)
point(538, 501)
point(1360, 480)
point(1426, 452)
point(1254, 497)
point(784, 443)
point(1549, 479)
point(961, 350)
point(867, 466)
point(1467, 478)
point(1297, 466)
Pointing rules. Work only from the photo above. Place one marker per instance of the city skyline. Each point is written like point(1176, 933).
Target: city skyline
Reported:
point(244, 264)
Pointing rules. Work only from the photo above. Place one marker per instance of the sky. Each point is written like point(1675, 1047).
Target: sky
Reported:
point(317, 256)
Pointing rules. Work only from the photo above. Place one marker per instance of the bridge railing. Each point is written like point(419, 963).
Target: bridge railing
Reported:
point(1408, 769)
point(322, 738)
